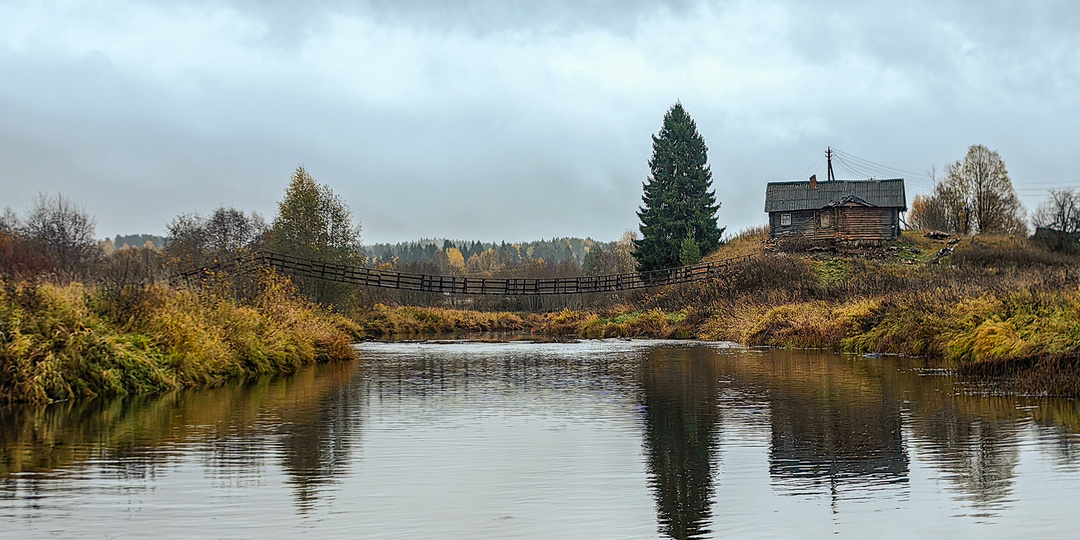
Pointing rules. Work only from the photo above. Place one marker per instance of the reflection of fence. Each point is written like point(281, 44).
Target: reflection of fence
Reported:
point(370, 277)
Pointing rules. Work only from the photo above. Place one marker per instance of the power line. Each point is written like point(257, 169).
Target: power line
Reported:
point(858, 168)
point(879, 169)
point(812, 165)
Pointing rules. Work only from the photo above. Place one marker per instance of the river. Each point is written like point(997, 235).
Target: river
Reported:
point(595, 439)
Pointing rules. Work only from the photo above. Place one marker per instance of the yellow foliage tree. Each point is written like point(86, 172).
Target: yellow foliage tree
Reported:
point(455, 259)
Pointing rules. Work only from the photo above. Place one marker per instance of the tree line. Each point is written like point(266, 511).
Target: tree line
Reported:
point(977, 196)
point(57, 238)
point(542, 258)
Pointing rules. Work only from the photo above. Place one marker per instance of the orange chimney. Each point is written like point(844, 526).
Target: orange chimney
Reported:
point(813, 180)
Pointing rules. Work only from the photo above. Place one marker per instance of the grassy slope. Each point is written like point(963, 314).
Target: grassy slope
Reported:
point(62, 342)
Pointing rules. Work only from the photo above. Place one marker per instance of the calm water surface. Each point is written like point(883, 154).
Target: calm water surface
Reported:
point(600, 439)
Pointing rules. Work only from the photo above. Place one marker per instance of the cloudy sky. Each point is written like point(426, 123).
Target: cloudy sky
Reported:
point(515, 120)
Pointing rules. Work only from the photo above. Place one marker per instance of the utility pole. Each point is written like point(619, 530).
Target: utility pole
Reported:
point(828, 155)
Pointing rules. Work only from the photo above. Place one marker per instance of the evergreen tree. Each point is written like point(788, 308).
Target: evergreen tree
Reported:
point(689, 253)
point(594, 261)
point(679, 201)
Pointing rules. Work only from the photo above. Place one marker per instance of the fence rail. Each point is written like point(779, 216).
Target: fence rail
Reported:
point(371, 277)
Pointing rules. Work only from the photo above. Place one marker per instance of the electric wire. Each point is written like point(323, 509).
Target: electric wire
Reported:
point(879, 167)
point(858, 166)
point(812, 165)
point(859, 170)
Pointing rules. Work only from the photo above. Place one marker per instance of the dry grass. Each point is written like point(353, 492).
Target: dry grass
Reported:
point(63, 342)
point(750, 241)
point(618, 322)
point(381, 320)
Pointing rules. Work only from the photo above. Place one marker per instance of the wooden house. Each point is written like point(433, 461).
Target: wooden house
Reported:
point(844, 211)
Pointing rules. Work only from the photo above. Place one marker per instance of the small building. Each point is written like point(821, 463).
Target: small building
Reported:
point(845, 211)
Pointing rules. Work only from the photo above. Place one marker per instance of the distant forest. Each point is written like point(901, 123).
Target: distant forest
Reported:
point(542, 258)
point(131, 241)
point(558, 256)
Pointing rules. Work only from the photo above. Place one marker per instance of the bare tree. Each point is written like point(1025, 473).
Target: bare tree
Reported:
point(975, 196)
point(1060, 211)
point(9, 221)
point(62, 231)
point(982, 185)
point(201, 240)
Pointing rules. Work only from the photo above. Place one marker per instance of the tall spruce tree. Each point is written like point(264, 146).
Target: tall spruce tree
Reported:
point(679, 202)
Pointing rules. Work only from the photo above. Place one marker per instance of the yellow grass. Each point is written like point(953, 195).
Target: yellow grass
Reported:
point(63, 342)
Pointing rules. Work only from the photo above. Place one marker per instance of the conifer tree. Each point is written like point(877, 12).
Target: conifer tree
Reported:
point(689, 253)
point(679, 202)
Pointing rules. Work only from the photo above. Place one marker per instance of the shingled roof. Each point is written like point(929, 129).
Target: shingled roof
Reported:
point(792, 196)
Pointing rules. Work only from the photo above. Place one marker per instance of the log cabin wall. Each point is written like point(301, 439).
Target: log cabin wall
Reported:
point(852, 223)
point(861, 224)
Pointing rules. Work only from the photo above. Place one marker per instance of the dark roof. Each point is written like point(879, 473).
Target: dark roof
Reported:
point(790, 196)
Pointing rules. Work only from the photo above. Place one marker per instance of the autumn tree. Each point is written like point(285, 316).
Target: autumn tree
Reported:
point(976, 196)
point(594, 261)
point(678, 200)
point(625, 247)
point(312, 222)
point(944, 209)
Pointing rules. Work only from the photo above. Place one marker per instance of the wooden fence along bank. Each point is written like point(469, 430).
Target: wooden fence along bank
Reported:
point(370, 277)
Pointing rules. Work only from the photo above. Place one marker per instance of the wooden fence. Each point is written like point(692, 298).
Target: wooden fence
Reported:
point(370, 277)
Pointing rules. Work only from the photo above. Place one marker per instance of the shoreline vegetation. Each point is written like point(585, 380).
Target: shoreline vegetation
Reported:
point(994, 306)
point(70, 341)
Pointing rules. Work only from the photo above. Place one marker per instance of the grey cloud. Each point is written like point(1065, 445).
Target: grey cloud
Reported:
point(512, 144)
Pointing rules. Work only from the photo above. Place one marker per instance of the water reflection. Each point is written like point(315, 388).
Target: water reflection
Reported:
point(307, 421)
point(831, 424)
point(679, 389)
point(511, 438)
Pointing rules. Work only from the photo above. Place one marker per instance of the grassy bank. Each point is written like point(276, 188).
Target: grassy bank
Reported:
point(61, 342)
point(383, 322)
point(988, 300)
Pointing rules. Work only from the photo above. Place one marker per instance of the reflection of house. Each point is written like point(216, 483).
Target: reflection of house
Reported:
point(856, 211)
point(841, 437)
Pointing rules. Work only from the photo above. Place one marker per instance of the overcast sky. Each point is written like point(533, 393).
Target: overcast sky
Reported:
point(503, 120)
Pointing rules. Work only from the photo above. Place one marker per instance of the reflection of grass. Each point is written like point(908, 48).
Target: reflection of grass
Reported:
point(61, 342)
point(48, 437)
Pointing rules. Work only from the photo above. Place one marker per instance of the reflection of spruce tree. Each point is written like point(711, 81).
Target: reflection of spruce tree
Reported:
point(681, 422)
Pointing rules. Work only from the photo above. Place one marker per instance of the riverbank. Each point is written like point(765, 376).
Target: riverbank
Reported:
point(972, 301)
point(60, 342)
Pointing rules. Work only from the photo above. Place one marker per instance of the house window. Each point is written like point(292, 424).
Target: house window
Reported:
point(785, 220)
